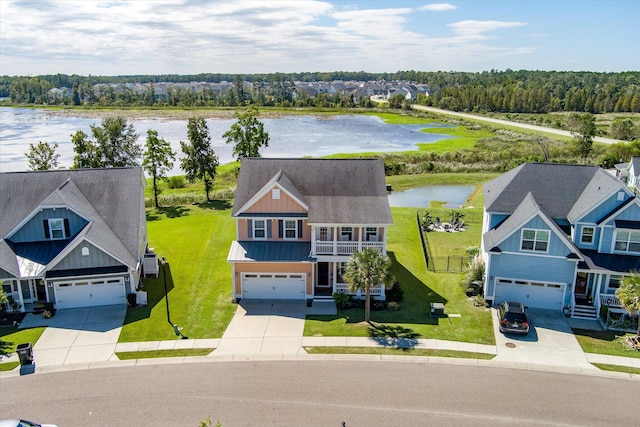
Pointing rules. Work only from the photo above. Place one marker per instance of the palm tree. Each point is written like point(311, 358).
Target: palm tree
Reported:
point(629, 294)
point(365, 269)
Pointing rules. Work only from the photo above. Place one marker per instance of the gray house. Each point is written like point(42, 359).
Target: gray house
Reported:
point(75, 238)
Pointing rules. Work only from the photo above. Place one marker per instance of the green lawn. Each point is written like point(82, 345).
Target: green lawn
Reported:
point(420, 287)
point(8, 366)
point(604, 342)
point(195, 240)
point(392, 351)
point(151, 354)
point(11, 336)
point(617, 368)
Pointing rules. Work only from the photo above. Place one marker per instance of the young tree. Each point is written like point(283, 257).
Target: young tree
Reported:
point(42, 156)
point(623, 128)
point(583, 127)
point(113, 144)
point(116, 143)
point(365, 269)
point(157, 159)
point(248, 134)
point(629, 295)
point(200, 161)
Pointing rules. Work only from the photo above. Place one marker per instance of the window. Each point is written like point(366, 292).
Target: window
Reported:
point(535, 240)
point(85, 251)
point(587, 235)
point(614, 281)
point(275, 194)
point(56, 228)
point(340, 271)
point(290, 229)
point(371, 234)
point(324, 234)
point(627, 241)
point(346, 233)
point(259, 229)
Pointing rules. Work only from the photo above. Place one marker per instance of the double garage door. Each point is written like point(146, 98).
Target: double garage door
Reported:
point(89, 293)
point(273, 286)
point(531, 294)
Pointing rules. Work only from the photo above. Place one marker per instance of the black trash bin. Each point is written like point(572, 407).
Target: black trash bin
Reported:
point(132, 300)
point(25, 353)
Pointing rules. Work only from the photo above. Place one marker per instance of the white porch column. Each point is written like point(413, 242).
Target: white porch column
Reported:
point(20, 299)
point(334, 280)
point(384, 240)
point(360, 236)
point(335, 241)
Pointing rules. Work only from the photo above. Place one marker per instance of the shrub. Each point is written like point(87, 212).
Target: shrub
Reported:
point(343, 301)
point(472, 251)
point(395, 294)
point(176, 182)
point(393, 306)
point(475, 271)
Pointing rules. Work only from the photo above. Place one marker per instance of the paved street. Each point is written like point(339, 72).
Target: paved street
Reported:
point(320, 393)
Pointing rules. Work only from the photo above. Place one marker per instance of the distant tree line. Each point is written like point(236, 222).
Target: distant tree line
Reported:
point(492, 91)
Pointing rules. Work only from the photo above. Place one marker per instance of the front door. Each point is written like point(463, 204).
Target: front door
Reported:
point(323, 275)
point(41, 290)
point(581, 284)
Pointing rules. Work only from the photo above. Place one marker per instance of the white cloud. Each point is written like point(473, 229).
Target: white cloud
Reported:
point(227, 36)
point(438, 7)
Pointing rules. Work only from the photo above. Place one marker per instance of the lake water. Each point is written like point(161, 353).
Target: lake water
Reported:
point(454, 195)
point(290, 136)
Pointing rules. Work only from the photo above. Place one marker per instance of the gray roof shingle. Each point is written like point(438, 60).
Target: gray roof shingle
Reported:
point(337, 191)
point(563, 191)
point(110, 198)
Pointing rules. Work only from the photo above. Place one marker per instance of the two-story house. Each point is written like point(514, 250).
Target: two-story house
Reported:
point(298, 222)
point(75, 238)
point(559, 237)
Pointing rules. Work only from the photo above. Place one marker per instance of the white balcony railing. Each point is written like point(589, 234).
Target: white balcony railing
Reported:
point(344, 247)
point(609, 299)
point(376, 291)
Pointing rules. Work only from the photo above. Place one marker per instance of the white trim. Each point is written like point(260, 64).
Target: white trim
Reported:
point(593, 234)
point(266, 190)
point(39, 209)
point(615, 235)
point(539, 254)
point(295, 229)
point(621, 186)
point(612, 215)
point(254, 228)
point(535, 240)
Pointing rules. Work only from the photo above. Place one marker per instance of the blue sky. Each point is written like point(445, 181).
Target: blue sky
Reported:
point(236, 36)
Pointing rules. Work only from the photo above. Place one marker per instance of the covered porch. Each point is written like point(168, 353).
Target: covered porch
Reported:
point(345, 240)
point(329, 280)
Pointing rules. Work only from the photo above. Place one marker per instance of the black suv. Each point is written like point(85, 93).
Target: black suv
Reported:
point(512, 318)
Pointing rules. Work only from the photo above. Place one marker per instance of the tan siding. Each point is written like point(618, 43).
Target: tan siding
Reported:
point(283, 205)
point(243, 235)
point(273, 267)
point(242, 229)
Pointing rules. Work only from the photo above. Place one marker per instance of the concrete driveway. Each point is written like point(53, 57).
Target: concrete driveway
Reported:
point(78, 335)
point(550, 342)
point(265, 327)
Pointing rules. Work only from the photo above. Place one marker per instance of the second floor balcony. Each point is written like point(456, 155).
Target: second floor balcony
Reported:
point(347, 240)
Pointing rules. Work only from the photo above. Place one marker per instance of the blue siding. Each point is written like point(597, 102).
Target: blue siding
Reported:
point(605, 207)
point(631, 213)
point(33, 230)
point(578, 235)
point(495, 219)
point(556, 246)
point(532, 268)
point(96, 258)
point(606, 240)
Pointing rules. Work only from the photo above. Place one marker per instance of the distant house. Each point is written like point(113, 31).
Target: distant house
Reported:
point(633, 173)
point(298, 222)
point(75, 238)
point(559, 237)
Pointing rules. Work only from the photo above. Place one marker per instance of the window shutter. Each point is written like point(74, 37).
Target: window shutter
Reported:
point(267, 223)
point(250, 228)
point(67, 229)
point(280, 227)
point(45, 223)
point(299, 229)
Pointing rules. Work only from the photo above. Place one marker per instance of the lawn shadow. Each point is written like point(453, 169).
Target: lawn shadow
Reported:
point(155, 293)
point(417, 293)
point(218, 205)
point(394, 336)
point(168, 211)
point(4, 348)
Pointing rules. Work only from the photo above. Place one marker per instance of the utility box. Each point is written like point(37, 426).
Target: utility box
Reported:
point(25, 353)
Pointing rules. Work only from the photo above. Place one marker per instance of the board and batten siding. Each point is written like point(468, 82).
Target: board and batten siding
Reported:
point(532, 268)
point(96, 258)
point(284, 204)
point(556, 246)
point(33, 230)
point(596, 236)
point(604, 208)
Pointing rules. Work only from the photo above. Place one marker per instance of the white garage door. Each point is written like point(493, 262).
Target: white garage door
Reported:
point(273, 286)
point(89, 293)
point(531, 294)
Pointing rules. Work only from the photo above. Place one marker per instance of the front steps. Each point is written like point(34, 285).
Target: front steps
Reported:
point(587, 312)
